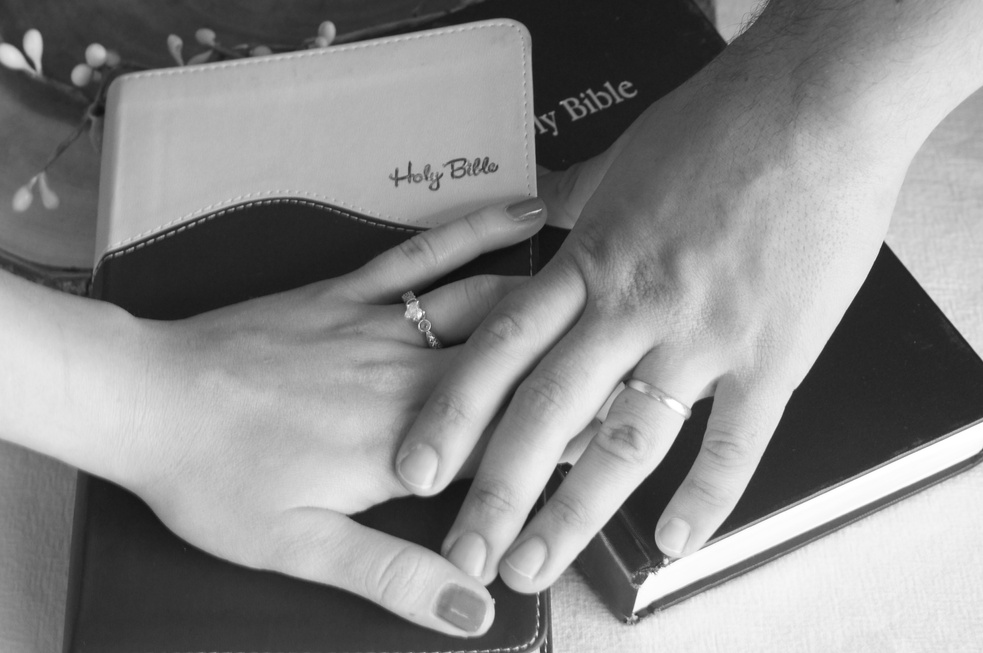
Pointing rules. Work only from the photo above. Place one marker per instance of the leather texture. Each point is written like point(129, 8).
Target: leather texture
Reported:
point(135, 586)
point(171, 251)
point(339, 125)
point(894, 377)
point(171, 274)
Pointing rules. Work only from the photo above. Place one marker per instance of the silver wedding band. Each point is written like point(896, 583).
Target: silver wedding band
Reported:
point(666, 400)
point(418, 316)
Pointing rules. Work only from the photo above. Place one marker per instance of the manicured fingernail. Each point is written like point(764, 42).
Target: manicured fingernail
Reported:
point(672, 537)
point(528, 559)
point(419, 467)
point(461, 608)
point(468, 554)
point(529, 209)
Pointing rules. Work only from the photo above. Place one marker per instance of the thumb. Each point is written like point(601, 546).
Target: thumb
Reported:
point(404, 578)
point(565, 192)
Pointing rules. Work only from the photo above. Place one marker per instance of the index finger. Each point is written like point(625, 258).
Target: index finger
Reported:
point(429, 255)
point(501, 351)
point(550, 407)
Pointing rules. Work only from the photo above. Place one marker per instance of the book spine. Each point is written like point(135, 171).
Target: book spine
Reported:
point(614, 561)
point(606, 570)
point(811, 535)
point(77, 559)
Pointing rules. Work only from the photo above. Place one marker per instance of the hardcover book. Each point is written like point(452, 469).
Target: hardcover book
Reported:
point(229, 181)
point(893, 404)
point(598, 66)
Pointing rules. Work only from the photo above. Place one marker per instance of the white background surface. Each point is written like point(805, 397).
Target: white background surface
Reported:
point(909, 578)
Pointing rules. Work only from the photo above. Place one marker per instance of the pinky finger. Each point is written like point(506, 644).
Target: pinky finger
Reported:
point(740, 426)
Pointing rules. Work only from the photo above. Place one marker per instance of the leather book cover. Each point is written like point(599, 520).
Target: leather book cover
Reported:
point(893, 404)
point(598, 66)
point(234, 180)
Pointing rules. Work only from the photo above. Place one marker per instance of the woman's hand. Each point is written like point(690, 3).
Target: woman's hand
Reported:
point(263, 424)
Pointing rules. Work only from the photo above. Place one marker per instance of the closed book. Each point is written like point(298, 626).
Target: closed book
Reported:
point(234, 180)
point(893, 404)
point(598, 66)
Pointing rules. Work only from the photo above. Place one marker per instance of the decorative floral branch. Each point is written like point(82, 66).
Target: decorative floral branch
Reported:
point(12, 58)
point(102, 66)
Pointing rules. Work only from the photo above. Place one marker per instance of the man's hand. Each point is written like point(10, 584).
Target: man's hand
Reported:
point(717, 244)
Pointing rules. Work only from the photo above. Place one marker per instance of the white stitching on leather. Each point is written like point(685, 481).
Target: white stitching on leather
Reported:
point(315, 52)
point(511, 649)
point(240, 207)
point(232, 201)
point(324, 52)
point(528, 110)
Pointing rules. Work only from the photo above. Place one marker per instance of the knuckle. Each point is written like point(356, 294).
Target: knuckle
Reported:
point(283, 546)
point(421, 250)
point(569, 511)
point(498, 331)
point(450, 409)
point(477, 287)
point(476, 227)
point(494, 498)
point(569, 182)
point(729, 449)
point(589, 254)
point(287, 548)
point(481, 291)
point(399, 580)
point(542, 396)
point(380, 376)
point(625, 443)
point(589, 250)
point(709, 492)
point(651, 283)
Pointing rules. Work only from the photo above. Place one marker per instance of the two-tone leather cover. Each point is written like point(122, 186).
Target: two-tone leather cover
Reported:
point(413, 130)
point(230, 181)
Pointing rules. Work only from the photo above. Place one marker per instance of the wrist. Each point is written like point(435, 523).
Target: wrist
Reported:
point(869, 80)
point(70, 380)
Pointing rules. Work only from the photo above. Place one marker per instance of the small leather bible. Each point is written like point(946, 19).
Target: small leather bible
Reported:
point(239, 179)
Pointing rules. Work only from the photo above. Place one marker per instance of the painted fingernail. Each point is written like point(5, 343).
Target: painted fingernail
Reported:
point(672, 537)
point(529, 209)
point(468, 554)
point(528, 559)
point(461, 608)
point(418, 468)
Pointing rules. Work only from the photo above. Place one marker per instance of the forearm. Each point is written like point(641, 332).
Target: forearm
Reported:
point(877, 75)
point(66, 387)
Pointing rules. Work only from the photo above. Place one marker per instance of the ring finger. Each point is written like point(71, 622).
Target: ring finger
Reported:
point(634, 437)
point(452, 311)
